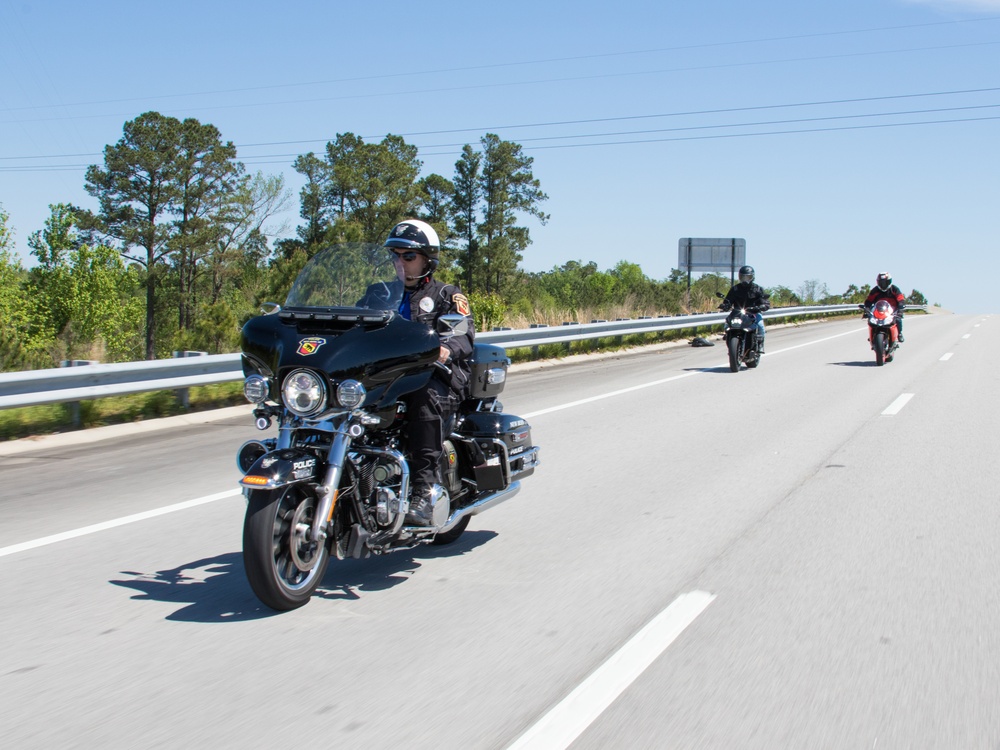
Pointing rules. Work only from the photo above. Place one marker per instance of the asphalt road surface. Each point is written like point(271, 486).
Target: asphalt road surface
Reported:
point(800, 556)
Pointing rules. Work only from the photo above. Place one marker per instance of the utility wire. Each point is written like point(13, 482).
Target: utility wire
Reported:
point(687, 113)
point(490, 66)
point(511, 84)
point(282, 158)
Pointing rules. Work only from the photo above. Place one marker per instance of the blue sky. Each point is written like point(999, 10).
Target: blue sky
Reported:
point(838, 139)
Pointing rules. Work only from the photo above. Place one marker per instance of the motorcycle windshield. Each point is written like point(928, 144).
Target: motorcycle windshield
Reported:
point(340, 318)
point(348, 275)
point(883, 312)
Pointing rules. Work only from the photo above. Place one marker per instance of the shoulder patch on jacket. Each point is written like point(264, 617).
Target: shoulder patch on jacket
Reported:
point(461, 304)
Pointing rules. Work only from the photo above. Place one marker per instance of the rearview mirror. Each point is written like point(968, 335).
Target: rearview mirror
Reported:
point(450, 326)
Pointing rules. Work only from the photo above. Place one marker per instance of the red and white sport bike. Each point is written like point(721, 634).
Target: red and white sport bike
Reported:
point(883, 334)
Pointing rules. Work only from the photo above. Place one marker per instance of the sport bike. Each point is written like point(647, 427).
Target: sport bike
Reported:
point(335, 481)
point(883, 334)
point(740, 331)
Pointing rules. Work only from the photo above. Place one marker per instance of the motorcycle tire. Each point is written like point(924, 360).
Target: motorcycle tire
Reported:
point(453, 533)
point(734, 354)
point(283, 566)
point(878, 344)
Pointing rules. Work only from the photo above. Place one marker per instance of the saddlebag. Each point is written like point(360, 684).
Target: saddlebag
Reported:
point(504, 440)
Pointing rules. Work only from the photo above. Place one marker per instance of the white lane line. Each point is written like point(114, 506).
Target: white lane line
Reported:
point(568, 719)
point(23, 546)
point(641, 386)
point(946, 357)
point(896, 406)
point(968, 335)
point(609, 394)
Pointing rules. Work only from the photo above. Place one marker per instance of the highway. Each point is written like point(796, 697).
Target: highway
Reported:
point(800, 556)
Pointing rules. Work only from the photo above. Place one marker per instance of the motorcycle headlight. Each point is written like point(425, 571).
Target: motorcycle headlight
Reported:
point(304, 393)
point(350, 394)
point(255, 388)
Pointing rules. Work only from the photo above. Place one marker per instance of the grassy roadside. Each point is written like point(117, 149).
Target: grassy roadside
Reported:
point(52, 418)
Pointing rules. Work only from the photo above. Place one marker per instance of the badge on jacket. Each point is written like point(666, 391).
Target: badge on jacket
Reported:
point(426, 304)
point(462, 304)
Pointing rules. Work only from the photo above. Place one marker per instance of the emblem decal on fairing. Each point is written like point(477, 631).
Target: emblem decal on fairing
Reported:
point(310, 346)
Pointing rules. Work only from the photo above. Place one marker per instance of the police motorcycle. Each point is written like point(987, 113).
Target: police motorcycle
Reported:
point(740, 332)
point(883, 334)
point(335, 482)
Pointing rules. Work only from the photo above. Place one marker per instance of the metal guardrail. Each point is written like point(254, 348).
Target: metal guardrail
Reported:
point(36, 387)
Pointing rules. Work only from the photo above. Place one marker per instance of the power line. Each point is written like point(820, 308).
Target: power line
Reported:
point(588, 121)
point(253, 161)
point(541, 61)
point(539, 81)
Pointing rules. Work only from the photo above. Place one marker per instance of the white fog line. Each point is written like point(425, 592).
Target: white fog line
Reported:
point(652, 383)
point(609, 394)
point(946, 357)
point(568, 719)
point(896, 406)
point(23, 546)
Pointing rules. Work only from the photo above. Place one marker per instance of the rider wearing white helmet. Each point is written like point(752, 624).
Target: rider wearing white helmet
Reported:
point(415, 253)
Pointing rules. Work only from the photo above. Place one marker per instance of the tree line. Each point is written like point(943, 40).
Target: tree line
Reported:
point(183, 247)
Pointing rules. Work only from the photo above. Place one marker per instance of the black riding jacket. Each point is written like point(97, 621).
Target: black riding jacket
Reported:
point(425, 304)
point(747, 296)
point(893, 294)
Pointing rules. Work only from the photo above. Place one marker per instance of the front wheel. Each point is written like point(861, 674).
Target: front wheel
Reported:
point(283, 565)
point(734, 353)
point(878, 343)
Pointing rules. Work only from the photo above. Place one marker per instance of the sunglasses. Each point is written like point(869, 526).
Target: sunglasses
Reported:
point(408, 256)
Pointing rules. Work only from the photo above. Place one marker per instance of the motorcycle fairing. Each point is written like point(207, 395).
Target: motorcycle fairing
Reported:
point(388, 354)
point(281, 467)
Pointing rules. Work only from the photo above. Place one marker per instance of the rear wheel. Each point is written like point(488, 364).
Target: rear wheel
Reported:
point(734, 353)
point(283, 565)
point(453, 533)
point(878, 344)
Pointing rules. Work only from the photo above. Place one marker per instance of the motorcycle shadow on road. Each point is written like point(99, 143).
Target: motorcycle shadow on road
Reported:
point(215, 589)
point(865, 363)
point(713, 370)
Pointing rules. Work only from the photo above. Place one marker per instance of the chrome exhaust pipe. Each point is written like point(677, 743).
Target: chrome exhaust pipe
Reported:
point(483, 503)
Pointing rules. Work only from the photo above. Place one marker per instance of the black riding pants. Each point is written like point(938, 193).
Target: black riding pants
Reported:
point(426, 412)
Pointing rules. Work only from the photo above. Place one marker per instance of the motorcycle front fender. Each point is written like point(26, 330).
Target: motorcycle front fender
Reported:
point(281, 467)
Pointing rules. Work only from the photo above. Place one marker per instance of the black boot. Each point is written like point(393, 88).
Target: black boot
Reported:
point(422, 501)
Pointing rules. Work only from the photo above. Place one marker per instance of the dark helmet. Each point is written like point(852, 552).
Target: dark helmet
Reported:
point(417, 235)
point(746, 274)
point(884, 281)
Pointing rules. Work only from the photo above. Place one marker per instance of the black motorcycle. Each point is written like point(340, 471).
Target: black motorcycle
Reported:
point(740, 331)
point(335, 482)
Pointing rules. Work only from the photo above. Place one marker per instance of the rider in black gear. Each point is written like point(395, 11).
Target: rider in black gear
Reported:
point(750, 297)
point(415, 249)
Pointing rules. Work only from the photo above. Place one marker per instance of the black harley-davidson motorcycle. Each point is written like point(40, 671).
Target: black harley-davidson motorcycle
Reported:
point(883, 335)
point(740, 332)
point(335, 482)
